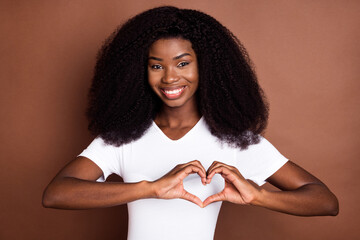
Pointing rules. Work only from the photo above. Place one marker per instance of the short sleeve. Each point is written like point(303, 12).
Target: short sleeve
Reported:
point(259, 161)
point(105, 156)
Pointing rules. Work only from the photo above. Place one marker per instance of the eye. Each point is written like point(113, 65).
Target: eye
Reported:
point(156, 66)
point(183, 64)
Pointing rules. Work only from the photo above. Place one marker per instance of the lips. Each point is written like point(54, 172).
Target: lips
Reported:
point(173, 93)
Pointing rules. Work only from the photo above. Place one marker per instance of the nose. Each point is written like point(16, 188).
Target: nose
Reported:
point(170, 76)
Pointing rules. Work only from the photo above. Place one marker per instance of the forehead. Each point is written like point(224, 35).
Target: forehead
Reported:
point(171, 47)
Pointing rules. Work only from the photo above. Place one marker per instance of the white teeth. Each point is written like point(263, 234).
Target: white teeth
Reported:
point(176, 91)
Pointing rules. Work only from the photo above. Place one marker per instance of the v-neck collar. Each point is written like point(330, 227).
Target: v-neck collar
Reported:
point(180, 139)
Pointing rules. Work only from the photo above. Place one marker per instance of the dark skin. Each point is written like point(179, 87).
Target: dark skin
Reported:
point(173, 77)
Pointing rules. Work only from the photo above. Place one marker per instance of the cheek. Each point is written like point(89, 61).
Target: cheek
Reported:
point(191, 75)
point(194, 77)
point(151, 79)
point(194, 74)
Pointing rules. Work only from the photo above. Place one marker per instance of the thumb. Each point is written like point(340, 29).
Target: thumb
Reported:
point(214, 198)
point(192, 198)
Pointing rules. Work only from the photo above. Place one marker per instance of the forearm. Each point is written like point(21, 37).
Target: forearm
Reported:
point(73, 193)
point(308, 200)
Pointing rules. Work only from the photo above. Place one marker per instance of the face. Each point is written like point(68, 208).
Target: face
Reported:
point(173, 71)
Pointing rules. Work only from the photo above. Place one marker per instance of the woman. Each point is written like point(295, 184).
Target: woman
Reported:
point(178, 113)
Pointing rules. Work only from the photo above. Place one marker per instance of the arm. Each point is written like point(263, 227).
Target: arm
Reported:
point(302, 194)
point(75, 187)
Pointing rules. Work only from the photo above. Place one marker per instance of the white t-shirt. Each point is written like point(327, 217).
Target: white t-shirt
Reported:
point(154, 155)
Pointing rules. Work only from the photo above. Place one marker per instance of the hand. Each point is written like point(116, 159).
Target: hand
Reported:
point(237, 189)
point(171, 185)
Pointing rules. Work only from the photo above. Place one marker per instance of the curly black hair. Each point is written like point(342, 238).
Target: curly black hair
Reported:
point(122, 105)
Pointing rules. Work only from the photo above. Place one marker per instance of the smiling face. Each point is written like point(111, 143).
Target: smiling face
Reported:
point(173, 71)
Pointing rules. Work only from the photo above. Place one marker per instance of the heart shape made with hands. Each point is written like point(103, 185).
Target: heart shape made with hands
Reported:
point(193, 185)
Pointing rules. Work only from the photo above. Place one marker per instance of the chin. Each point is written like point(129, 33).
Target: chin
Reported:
point(173, 103)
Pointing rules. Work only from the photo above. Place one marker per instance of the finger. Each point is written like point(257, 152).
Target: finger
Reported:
point(212, 166)
point(213, 198)
point(217, 165)
point(192, 198)
point(198, 164)
point(232, 176)
point(195, 163)
point(192, 169)
point(224, 171)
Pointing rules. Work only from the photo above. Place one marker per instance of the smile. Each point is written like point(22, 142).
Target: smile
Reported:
point(172, 93)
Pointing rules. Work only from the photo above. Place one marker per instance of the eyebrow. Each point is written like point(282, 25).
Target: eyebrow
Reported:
point(174, 58)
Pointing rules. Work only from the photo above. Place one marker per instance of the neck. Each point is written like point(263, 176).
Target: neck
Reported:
point(178, 116)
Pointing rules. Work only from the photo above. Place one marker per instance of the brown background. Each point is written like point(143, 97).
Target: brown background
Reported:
point(307, 57)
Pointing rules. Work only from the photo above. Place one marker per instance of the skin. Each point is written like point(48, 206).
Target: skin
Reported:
point(172, 65)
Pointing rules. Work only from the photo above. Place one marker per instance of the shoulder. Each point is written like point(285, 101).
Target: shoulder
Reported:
point(259, 161)
point(264, 147)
